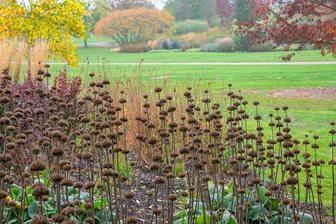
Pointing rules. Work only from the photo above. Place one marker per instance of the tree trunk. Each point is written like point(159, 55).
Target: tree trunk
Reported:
point(85, 43)
point(29, 66)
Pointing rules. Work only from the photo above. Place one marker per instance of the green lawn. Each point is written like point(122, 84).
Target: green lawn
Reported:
point(91, 39)
point(95, 54)
point(310, 116)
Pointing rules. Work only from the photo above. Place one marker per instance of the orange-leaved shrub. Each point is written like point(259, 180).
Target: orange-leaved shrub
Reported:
point(133, 26)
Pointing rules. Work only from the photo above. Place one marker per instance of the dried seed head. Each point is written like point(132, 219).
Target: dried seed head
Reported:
point(66, 182)
point(56, 177)
point(37, 166)
point(131, 220)
point(129, 195)
point(40, 219)
point(58, 218)
point(172, 197)
point(39, 191)
point(160, 180)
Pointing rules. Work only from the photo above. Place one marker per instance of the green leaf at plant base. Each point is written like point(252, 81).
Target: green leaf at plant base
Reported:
point(32, 209)
point(258, 212)
point(198, 206)
point(98, 204)
point(16, 191)
point(230, 202)
point(305, 218)
point(272, 204)
point(181, 221)
point(261, 194)
point(228, 218)
point(203, 219)
point(181, 214)
point(104, 216)
point(13, 221)
point(49, 209)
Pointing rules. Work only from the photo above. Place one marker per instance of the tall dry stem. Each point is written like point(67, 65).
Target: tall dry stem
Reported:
point(19, 55)
point(38, 56)
point(7, 50)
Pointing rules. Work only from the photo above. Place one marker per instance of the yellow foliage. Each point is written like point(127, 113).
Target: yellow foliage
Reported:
point(135, 25)
point(53, 20)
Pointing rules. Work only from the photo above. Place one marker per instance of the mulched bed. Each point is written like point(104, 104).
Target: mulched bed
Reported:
point(328, 93)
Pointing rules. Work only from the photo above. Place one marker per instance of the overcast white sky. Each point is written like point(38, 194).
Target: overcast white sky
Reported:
point(158, 3)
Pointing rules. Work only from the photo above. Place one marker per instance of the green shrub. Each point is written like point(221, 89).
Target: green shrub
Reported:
point(261, 47)
point(166, 44)
point(240, 43)
point(215, 22)
point(191, 26)
point(175, 44)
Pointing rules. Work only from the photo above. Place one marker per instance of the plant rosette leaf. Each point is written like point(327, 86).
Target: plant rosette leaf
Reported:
point(181, 214)
point(261, 194)
point(258, 212)
point(230, 202)
point(181, 221)
point(305, 218)
point(13, 221)
point(228, 218)
point(203, 219)
point(272, 204)
point(198, 207)
point(32, 209)
point(98, 204)
point(16, 192)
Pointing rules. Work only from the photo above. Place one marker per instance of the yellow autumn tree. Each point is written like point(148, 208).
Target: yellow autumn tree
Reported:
point(55, 21)
point(137, 25)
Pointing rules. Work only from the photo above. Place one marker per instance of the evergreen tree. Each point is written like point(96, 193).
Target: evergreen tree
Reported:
point(192, 9)
point(209, 10)
point(242, 13)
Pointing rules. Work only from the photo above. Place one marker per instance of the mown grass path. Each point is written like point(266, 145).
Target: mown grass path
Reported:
point(206, 63)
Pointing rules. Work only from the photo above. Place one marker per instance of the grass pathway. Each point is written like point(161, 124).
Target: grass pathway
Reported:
point(206, 63)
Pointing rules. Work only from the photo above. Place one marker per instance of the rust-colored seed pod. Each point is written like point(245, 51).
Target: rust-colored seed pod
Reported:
point(58, 218)
point(79, 211)
point(157, 211)
point(129, 195)
point(40, 190)
point(160, 180)
point(66, 182)
point(37, 166)
point(40, 219)
point(131, 220)
point(58, 152)
point(78, 184)
point(172, 197)
point(56, 177)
